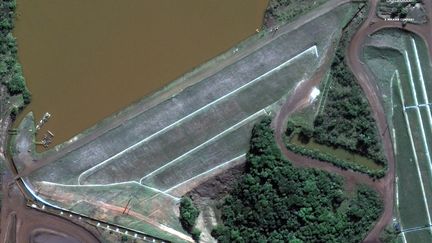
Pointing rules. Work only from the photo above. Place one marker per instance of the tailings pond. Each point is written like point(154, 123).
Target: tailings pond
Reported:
point(84, 60)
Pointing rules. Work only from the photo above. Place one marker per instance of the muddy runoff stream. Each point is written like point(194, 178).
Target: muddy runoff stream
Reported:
point(84, 60)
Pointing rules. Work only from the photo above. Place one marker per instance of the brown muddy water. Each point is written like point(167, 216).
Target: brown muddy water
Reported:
point(86, 59)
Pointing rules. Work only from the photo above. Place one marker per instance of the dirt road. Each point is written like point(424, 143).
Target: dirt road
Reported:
point(20, 223)
point(384, 186)
point(114, 210)
point(120, 118)
point(295, 103)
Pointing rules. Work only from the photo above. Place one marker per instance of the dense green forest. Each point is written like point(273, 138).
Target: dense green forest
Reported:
point(346, 120)
point(10, 70)
point(276, 202)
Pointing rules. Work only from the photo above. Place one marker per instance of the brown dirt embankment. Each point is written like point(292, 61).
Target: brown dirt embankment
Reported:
point(219, 185)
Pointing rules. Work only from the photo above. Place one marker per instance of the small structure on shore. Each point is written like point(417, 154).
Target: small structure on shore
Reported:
point(48, 136)
point(47, 139)
point(43, 121)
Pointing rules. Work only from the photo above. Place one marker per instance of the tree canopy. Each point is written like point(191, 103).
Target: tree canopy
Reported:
point(10, 70)
point(276, 202)
point(188, 216)
point(346, 121)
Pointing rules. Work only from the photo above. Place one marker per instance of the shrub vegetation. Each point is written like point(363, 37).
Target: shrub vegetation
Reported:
point(298, 126)
point(396, 9)
point(283, 11)
point(389, 235)
point(10, 70)
point(346, 121)
point(276, 202)
point(188, 216)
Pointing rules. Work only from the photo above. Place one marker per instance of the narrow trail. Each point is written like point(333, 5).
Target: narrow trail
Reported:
point(385, 185)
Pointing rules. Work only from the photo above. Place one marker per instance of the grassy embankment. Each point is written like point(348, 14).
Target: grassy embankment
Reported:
point(384, 56)
point(343, 132)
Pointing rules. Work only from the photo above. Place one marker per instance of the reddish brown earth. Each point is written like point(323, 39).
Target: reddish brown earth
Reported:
point(108, 209)
point(21, 223)
point(386, 185)
point(49, 236)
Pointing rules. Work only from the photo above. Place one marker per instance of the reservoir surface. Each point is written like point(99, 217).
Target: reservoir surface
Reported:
point(86, 59)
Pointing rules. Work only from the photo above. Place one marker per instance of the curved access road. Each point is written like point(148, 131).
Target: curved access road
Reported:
point(366, 80)
point(21, 223)
point(385, 185)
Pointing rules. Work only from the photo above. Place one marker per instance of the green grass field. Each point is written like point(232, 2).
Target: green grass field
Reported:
point(138, 198)
point(286, 11)
point(411, 205)
point(419, 236)
point(386, 52)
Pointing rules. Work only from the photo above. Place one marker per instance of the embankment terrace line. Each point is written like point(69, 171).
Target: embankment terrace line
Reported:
point(90, 170)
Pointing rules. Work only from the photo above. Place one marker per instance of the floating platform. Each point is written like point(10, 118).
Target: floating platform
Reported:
point(46, 140)
point(44, 120)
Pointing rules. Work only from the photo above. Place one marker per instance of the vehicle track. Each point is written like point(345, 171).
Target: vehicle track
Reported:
point(373, 24)
point(385, 185)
